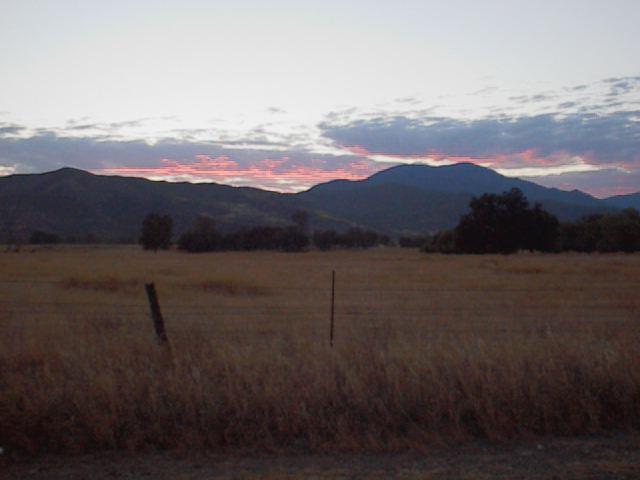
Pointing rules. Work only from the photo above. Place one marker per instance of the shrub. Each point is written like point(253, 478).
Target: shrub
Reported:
point(157, 231)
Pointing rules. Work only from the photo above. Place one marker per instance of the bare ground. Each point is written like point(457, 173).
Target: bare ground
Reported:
point(596, 457)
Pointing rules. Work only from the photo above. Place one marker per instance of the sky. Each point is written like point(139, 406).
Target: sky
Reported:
point(287, 94)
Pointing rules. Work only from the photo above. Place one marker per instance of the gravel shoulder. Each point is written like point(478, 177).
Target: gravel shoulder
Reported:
point(601, 457)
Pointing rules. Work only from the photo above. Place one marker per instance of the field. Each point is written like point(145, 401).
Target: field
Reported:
point(429, 350)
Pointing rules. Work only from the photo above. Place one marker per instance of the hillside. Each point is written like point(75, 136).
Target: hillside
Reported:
point(406, 199)
point(624, 201)
point(418, 198)
point(76, 203)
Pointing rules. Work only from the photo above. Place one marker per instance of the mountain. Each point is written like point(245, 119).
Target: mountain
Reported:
point(624, 201)
point(475, 180)
point(388, 207)
point(419, 198)
point(408, 199)
point(74, 203)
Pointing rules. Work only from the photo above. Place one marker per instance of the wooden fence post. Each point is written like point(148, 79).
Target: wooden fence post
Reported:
point(156, 315)
point(333, 302)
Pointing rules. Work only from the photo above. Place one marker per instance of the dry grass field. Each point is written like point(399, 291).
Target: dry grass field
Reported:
point(429, 349)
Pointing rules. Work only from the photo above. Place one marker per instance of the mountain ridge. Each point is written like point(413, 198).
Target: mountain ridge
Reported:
point(404, 199)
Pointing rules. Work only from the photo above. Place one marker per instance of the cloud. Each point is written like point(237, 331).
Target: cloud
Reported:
point(622, 86)
point(592, 128)
point(181, 160)
point(568, 135)
point(276, 110)
point(407, 100)
point(615, 80)
point(540, 97)
point(486, 90)
point(276, 173)
point(10, 129)
point(601, 183)
point(612, 138)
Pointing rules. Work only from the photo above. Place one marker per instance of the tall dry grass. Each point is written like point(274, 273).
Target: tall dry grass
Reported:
point(429, 349)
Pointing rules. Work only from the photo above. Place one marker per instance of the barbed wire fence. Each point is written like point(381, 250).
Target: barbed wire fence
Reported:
point(483, 308)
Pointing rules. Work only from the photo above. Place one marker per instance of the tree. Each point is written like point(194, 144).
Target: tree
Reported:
point(542, 232)
point(441, 242)
point(38, 237)
point(300, 219)
point(157, 231)
point(357, 237)
point(505, 224)
point(295, 239)
point(619, 232)
point(415, 241)
point(325, 239)
point(204, 237)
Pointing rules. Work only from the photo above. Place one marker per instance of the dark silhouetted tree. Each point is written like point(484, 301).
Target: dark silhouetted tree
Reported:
point(300, 219)
point(295, 239)
point(416, 241)
point(495, 224)
point(618, 232)
point(157, 231)
point(38, 237)
point(505, 224)
point(325, 239)
point(203, 237)
point(542, 231)
point(441, 242)
point(359, 238)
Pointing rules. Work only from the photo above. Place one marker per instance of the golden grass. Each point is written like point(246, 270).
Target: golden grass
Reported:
point(429, 349)
point(227, 286)
point(109, 284)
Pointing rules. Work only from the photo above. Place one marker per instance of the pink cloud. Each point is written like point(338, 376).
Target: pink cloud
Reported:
point(530, 158)
point(283, 174)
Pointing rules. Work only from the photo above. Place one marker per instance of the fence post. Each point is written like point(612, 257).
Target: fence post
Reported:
point(333, 302)
point(156, 315)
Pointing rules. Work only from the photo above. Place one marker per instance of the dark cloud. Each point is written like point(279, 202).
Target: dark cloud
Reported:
point(623, 87)
point(621, 79)
point(578, 121)
point(613, 137)
point(287, 170)
point(84, 124)
point(486, 90)
point(601, 183)
point(407, 100)
point(276, 110)
point(619, 86)
point(541, 97)
point(10, 129)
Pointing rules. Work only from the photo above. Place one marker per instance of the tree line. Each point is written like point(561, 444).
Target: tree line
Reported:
point(496, 223)
point(204, 236)
point(506, 223)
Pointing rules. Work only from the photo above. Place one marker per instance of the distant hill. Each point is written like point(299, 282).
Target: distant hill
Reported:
point(388, 207)
point(624, 201)
point(409, 199)
point(436, 197)
point(72, 202)
point(475, 180)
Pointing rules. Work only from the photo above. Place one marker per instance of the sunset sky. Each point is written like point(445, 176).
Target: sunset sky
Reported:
point(286, 94)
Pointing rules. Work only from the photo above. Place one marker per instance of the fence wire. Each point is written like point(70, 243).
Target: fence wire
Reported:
point(429, 307)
